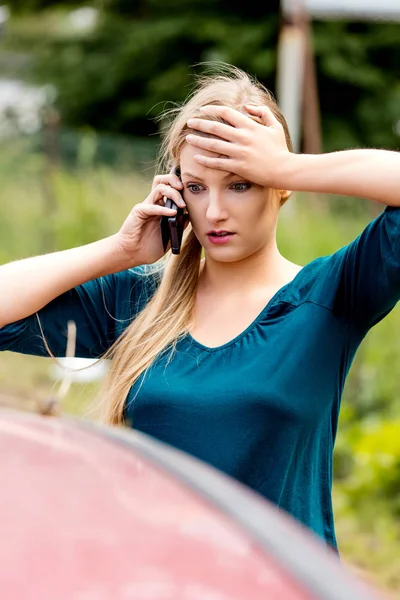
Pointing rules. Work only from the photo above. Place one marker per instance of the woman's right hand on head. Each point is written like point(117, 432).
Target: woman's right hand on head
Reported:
point(140, 235)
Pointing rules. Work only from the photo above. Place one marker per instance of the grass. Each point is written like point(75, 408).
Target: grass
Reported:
point(38, 383)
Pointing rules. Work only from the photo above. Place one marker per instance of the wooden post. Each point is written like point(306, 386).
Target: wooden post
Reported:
point(297, 89)
point(298, 93)
point(312, 142)
point(290, 77)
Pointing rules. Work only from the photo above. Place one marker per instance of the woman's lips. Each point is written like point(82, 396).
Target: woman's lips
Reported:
point(220, 239)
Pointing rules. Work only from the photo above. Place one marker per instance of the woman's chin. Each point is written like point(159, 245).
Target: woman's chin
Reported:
point(226, 255)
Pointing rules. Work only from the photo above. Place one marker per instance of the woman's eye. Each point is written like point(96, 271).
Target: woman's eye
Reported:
point(194, 188)
point(241, 187)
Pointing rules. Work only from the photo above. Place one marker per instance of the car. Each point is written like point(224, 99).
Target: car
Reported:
point(90, 512)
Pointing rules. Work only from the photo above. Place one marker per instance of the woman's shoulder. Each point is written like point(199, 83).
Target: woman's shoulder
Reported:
point(315, 282)
point(144, 276)
point(131, 289)
point(360, 282)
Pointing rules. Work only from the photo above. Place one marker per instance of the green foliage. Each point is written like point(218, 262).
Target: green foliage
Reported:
point(371, 449)
point(27, 6)
point(377, 449)
point(125, 72)
point(359, 82)
point(51, 207)
point(369, 537)
point(139, 57)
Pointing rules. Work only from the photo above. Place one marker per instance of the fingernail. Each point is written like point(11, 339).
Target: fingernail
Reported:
point(190, 122)
point(190, 138)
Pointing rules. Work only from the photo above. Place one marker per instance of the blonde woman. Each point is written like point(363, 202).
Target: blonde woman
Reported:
point(238, 358)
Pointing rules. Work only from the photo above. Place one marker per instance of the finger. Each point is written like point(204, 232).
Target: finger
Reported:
point(212, 145)
point(231, 115)
point(163, 191)
point(221, 130)
point(223, 164)
point(169, 178)
point(264, 113)
point(153, 210)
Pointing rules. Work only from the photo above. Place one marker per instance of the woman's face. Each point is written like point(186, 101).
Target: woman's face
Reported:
point(218, 200)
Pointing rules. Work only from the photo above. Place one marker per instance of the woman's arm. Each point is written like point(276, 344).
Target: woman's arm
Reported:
point(259, 153)
point(29, 284)
point(370, 174)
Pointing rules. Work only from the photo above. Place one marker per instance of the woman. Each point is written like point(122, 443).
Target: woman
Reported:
point(238, 358)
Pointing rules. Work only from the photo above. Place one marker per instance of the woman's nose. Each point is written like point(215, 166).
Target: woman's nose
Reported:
point(215, 209)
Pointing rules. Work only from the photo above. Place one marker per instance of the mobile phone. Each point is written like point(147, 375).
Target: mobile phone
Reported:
point(172, 227)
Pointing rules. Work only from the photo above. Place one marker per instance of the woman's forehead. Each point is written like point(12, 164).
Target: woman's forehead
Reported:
point(189, 165)
point(195, 174)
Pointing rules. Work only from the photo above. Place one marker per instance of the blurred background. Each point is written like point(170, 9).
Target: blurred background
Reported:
point(81, 86)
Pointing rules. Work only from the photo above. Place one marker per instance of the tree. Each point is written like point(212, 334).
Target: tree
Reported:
point(141, 55)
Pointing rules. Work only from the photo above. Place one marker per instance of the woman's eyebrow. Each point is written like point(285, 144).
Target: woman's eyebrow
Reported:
point(228, 176)
point(193, 176)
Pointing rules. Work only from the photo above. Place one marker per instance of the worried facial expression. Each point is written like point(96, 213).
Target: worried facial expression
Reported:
point(219, 200)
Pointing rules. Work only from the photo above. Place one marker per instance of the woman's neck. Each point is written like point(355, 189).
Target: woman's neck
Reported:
point(263, 269)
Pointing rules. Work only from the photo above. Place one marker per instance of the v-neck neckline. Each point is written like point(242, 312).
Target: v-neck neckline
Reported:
point(258, 318)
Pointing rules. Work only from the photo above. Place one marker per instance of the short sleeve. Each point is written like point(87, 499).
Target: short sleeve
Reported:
point(369, 272)
point(101, 308)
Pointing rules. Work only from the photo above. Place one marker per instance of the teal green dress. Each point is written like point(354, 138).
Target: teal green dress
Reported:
point(264, 407)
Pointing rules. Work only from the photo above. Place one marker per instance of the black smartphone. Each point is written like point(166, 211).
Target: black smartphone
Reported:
point(172, 227)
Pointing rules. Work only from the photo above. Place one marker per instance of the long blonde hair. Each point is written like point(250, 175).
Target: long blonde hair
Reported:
point(168, 315)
